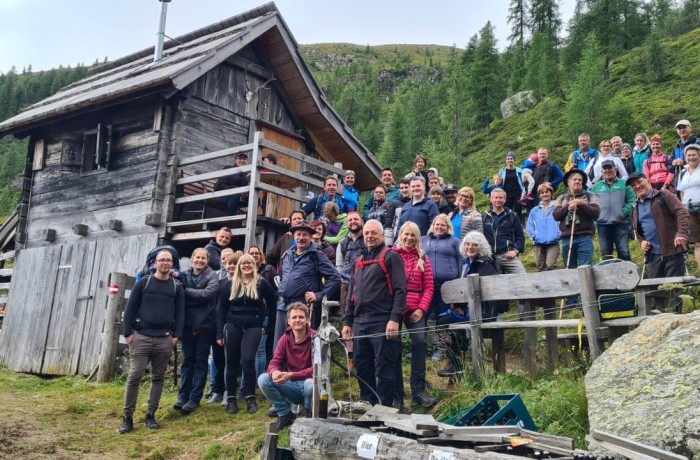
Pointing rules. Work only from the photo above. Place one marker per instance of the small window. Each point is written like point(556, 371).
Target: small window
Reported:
point(97, 148)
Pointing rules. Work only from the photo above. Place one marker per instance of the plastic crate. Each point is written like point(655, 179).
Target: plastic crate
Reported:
point(506, 409)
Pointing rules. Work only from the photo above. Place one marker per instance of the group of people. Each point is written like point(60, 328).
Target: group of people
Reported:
point(255, 313)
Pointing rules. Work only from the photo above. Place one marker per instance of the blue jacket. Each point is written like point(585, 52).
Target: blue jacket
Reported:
point(316, 203)
point(444, 255)
point(503, 232)
point(421, 214)
point(678, 153)
point(541, 226)
point(486, 188)
point(518, 172)
point(305, 275)
point(577, 160)
point(352, 198)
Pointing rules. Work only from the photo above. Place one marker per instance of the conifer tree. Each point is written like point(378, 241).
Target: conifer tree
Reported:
point(485, 86)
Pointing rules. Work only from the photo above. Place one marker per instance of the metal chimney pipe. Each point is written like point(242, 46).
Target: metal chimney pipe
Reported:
point(161, 30)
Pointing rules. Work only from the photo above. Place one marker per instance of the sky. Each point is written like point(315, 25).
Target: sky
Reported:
point(49, 33)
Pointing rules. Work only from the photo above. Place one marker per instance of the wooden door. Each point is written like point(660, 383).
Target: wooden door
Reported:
point(279, 207)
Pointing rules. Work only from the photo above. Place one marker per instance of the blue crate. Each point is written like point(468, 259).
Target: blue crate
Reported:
point(505, 409)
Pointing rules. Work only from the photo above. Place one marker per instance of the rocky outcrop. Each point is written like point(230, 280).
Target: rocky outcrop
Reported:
point(518, 103)
point(646, 386)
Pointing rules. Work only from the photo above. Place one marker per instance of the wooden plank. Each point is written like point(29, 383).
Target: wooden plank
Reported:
point(590, 308)
point(537, 324)
point(230, 152)
point(27, 315)
point(73, 290)
point(530, 343)
point(203, 235)
point(7, 255)
point(474, 290)
point(407, 426)
point(621, 322)
point(5, 272)
point(626, 453)
point(646, 449)
point(480, 437)
point(450, 430)
point(300, 156)
point(282, 192)
point(294, 175)
point(208, 220)
point(424, 422)
point(204, 177)
point(270, 447)
point(622, 276)
point(550, 439)
point(210, 195)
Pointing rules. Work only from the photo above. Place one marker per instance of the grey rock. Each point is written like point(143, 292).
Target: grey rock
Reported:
point(646, 386)
point(518, 103)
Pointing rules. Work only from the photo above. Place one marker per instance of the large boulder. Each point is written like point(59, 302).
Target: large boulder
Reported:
point(646, 386)
point(518, 103)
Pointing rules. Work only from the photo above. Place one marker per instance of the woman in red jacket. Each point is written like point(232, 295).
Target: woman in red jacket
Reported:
point(419, 283)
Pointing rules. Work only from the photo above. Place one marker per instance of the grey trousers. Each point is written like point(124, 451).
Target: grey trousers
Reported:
point(142, 350)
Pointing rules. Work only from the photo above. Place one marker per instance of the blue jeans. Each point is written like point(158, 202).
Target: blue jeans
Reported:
point(617, 234)
point(290, 392)
point(581, 252)
point(195, 357)
point(260, 360)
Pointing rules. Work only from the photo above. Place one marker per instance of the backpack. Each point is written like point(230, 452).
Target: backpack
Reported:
point(666, 163)
point(381, 260)
point(149, 266)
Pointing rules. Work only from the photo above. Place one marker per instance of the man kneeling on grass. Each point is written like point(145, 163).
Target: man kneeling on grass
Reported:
point(293, 352)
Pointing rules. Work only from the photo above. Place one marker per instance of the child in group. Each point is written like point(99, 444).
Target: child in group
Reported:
point(497, 183)
point(529, 165)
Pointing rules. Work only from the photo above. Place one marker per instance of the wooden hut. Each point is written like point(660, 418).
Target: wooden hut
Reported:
point(126, 159)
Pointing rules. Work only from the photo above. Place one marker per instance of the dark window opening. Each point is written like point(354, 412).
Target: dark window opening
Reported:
point(97, 148)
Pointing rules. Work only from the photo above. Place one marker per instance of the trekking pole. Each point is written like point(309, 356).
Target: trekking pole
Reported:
point(568, 258)
point(175, 367)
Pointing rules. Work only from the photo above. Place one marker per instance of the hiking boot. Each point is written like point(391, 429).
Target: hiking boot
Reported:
point(179, 404)
point(449, 371)
point(150, 422)
point(297, 410)
point(232, 406)
point(284, 421)
point(190, 407)
point(272, 412)
point(208, 394)
point(307, 413)
point(215, 398)
point(127, 425)
point(421, 398)
point(251, 404)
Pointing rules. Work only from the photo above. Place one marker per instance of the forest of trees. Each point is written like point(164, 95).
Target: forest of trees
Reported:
point(447, 108)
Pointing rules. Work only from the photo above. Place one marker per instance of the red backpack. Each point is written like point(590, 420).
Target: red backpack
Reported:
point(381, 260)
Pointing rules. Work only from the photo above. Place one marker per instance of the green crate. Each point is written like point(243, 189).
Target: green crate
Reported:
point(505, 409)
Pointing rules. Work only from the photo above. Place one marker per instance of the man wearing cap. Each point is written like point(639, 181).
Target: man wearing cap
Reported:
point(240, 179)
point(329, 193)
point(451, 197)
point(685, 137)
point(302, 271)
point(350, 194)
point(661, 224)
point(615, 200)
point(576, 211)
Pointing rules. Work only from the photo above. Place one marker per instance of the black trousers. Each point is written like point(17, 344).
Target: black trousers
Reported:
point(376, 361)
point(666, 267)
point(241, 347)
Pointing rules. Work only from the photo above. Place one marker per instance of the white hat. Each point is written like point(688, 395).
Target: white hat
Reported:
point(683, 122)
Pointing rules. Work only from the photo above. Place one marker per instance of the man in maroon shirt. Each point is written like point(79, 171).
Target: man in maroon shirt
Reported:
point(295, 385)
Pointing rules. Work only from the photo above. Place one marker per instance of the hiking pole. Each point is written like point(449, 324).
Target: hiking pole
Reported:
point(568, 258)
point(175, 367)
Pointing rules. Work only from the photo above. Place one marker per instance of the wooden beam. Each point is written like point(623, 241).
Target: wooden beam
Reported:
point(536, 324)
point(622, 276)
point(589, 303)
point(110, 336)
point(264, 143)
point(213, 174)
point(218, 154)
point(285, 193)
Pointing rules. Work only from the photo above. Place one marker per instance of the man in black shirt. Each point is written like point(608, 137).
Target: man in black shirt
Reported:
point(153, 321)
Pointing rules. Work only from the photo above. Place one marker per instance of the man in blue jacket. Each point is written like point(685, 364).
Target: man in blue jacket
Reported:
point(302, 271)
point(504, 232)
point(583, 156)
point(330, 193)
point(420, 209)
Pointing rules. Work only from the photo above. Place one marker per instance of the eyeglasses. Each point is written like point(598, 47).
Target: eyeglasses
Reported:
point(165, 261)
point(466, 197)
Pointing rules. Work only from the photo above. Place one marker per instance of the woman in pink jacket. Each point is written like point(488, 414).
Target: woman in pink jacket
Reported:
point(419, 283)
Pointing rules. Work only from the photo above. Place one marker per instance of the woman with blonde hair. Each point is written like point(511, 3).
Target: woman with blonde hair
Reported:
point(244, 302)
point(419, 284)
point(466, 217)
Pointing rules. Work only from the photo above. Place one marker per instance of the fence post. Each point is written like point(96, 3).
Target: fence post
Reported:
point(474, 293)
point(110, 336)
point(590, 309)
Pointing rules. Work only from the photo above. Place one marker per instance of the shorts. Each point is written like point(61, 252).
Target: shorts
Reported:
point(694, 228)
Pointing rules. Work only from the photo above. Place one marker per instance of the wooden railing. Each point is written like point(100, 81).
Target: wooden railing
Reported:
point(276, 181)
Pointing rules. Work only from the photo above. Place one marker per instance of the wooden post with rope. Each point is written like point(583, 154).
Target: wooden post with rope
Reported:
point(325, 335)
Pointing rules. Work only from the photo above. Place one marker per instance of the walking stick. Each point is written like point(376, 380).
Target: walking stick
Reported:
point(568, 258)
point(175, 368)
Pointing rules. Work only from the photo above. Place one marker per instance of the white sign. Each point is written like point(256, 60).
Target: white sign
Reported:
point(441, 455)
point(367, 445)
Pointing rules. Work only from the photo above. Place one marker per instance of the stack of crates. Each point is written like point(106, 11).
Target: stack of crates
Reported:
point(492, 410)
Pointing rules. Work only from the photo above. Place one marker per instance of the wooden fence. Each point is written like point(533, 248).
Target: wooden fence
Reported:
point(530, 288)
point(5, 279)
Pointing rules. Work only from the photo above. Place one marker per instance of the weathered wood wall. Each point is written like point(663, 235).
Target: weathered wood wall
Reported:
point(62, 195)
point(56, 307)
